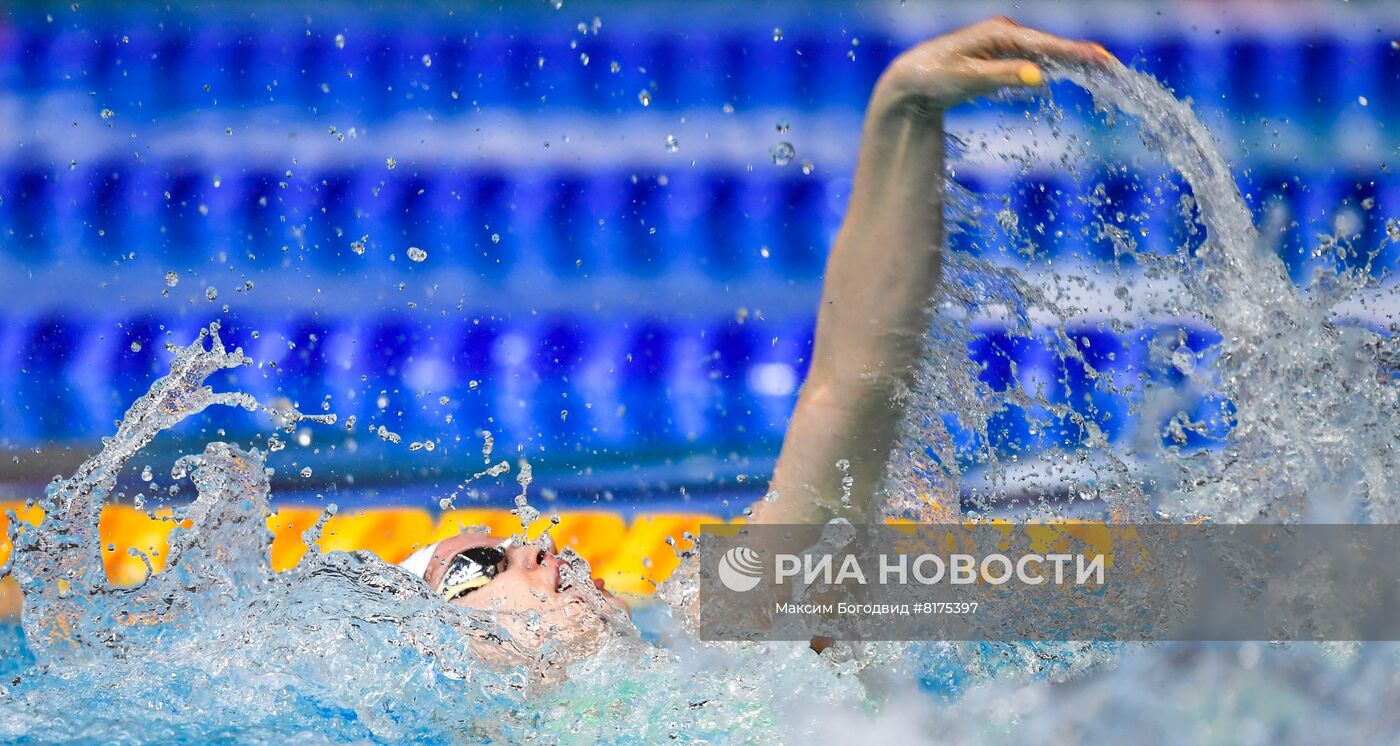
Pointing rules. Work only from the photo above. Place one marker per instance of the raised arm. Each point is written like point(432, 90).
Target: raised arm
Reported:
point(885, 265)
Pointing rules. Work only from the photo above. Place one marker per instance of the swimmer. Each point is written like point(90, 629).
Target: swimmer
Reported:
point(875, 309)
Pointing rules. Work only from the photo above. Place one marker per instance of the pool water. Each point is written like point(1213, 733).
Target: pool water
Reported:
point(345, 648)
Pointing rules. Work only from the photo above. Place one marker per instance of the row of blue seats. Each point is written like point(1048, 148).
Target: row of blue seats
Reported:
point(567, 383)
point(371, 71)
point(373, 68)
point(611, 222)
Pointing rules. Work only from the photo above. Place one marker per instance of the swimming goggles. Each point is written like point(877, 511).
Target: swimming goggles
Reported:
point(471, 569)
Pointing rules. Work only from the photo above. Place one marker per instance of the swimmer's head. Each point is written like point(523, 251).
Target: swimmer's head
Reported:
point(535, 596)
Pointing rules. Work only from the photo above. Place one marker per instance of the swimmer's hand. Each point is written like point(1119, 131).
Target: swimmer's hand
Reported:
point(975, 61)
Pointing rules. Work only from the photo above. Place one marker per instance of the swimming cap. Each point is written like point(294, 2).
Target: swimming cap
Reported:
point(417, 563)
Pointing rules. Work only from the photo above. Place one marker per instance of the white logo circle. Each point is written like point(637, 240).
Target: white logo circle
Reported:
point(740, 569)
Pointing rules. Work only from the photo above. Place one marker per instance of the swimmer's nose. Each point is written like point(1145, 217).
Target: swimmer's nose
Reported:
point(531, 557)
point(524, 556)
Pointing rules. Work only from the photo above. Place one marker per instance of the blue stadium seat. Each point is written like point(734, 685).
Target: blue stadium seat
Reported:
point(355, 72)
point(29, 217)
point(732, 345)
point(802, 226)
point(645, 370)
point(11, 55)
point(33, 56)
point(129, 372)
point(491, 243)
point(775, 372)
point(766, 71)
point(1276, 200)
point(50, 408)
point(1355, 208)
point(1166, 59)
point(390, 344)
point(1000, 355)
point(475, 375)
point(1384, 76)
point(733, 233)
point(694, 394)
point(303, 372)
point(1049, 217)
point(1118, 208)
point(647, 228)
point(1097, 384)
point(1315, 78)
point(264, 224)
point(70, 57)
point(558, 405)
point(488, 81)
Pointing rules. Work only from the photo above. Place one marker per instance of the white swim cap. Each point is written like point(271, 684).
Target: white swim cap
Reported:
point(417, 563)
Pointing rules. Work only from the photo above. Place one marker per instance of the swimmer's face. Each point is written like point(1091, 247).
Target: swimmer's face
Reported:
point(531, 579)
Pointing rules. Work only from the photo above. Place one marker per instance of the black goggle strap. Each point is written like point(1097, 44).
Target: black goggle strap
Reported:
point(470, 569)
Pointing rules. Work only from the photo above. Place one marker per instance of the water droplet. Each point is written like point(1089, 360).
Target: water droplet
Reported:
point(644, 97)
point(777, 34)
point(172, 279)
point(390, 163)
point(340, 41)
point(427, 60)
point(212, 293)
point(107, 113)
point(614, 67)
point(808, 168)
point(146, 474)
point(782, 153)
point(135, 346)
point(783, 126)
point(417, 254)
point(1362, 100)
point(495, 238)
point(359, 246)
point(1184, 359)
point(306, 472)
point(672, 144)
point(583, 57)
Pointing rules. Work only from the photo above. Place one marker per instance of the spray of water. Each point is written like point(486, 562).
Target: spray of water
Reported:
point(344, 647)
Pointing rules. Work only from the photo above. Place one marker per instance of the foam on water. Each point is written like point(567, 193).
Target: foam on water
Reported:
point(345, 647)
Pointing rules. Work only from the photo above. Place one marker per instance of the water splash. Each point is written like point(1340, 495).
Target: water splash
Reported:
point(219, 647)
point(1308, 406)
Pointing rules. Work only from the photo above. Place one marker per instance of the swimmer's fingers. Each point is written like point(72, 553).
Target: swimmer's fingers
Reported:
point(992, 75)
point(1002, 38)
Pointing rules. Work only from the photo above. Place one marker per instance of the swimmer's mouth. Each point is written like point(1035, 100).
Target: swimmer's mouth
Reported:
point(563, 581)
